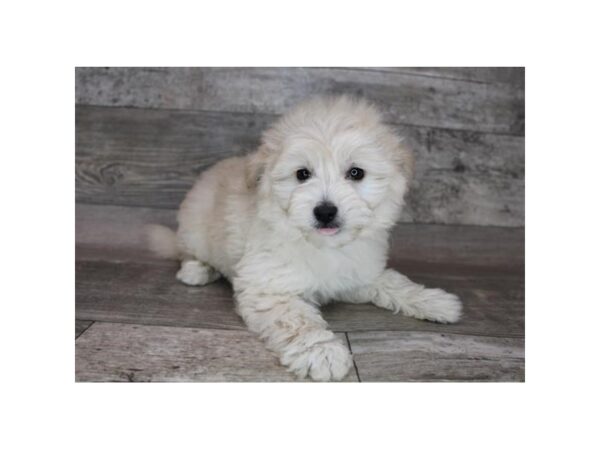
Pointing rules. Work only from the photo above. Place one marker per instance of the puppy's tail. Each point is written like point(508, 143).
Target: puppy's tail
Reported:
point(162, 241)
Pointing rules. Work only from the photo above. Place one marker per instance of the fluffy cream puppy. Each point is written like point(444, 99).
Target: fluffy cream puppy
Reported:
point(302, 221)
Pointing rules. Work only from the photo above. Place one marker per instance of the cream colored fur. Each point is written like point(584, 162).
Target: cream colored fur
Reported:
point(251, 220)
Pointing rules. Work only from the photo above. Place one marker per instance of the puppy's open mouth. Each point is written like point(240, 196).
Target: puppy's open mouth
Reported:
point(328, 231)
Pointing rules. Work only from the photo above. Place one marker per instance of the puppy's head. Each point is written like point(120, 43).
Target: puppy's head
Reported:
point(330, 170)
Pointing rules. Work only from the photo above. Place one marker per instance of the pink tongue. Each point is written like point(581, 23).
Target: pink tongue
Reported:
point(328, 231)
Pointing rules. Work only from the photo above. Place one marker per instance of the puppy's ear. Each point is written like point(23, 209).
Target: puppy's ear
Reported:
point(255, 166)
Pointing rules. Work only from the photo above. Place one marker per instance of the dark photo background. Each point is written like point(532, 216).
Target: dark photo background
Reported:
point(144, 134)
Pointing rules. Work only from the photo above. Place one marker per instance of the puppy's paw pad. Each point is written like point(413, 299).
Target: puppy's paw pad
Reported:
point(324, 361)
point(196, 273)
point(439, 306)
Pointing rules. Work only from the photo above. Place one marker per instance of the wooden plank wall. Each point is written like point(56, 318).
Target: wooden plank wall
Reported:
point(144, 134)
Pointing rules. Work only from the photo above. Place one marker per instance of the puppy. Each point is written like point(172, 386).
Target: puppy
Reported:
point(302, 221)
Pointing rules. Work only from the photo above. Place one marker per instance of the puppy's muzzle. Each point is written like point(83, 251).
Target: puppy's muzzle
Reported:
point(325, 213)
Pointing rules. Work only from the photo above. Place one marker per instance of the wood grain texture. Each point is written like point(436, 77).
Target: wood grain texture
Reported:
point(124, 352)
point(115, 233)
point(492, 306)
point(152, 157)
point(143, 293)
point(514, 76)
point(454, 246)
point(466, 178)
point(417, 356)
point(81, 326)
point(406, 97)
point(117, 230)
point(150, 294)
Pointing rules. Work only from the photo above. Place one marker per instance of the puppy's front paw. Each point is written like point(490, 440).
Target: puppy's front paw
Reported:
point(195, 273)
point(322, 362)
point(436, 305)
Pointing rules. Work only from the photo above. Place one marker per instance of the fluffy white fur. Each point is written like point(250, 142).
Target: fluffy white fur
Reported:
point(251, 220)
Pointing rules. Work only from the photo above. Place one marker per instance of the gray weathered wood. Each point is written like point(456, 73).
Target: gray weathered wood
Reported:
point(417, 356)
point(514, 76)
point(124, 352)
point(492, 306)
point(114, 230)
point(149, 294)
point(152, 157)
point(115, 233)
point(405, 97)
point(467, 178)
point(453, 246)
point(81, 326)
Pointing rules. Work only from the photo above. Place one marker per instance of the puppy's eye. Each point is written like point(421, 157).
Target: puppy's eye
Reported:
point(303, 174)
point(355, 173)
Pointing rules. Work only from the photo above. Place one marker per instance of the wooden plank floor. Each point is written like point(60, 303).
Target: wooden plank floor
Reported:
point(135, 322)
point(126, 352)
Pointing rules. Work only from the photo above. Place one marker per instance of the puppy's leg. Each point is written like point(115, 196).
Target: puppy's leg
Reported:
point(295, 330)
point(396, 292)
point(196, 273)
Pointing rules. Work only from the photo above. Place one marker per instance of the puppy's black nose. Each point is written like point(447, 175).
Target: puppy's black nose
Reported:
point(325, 212)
